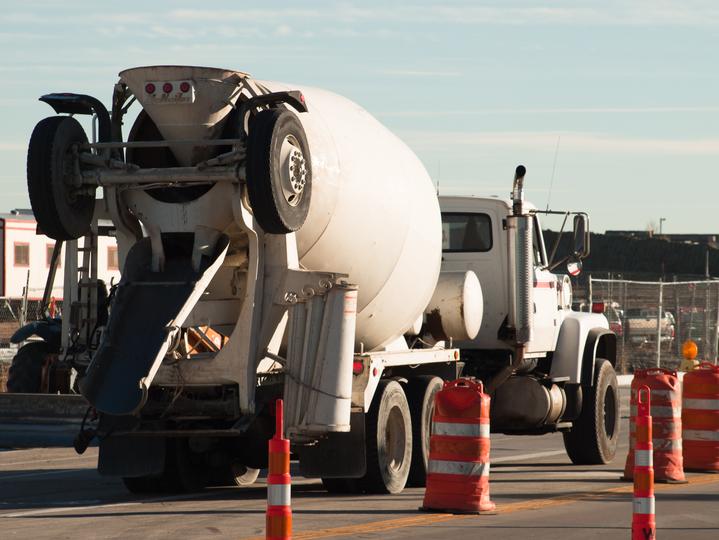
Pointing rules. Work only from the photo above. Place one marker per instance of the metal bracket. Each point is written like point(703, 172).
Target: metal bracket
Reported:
point(301, 285)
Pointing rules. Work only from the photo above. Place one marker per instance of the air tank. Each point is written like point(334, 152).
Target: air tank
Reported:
point(374, 214)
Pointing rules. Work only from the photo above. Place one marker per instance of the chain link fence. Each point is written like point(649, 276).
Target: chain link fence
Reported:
point(15, 312)
point(652, 319)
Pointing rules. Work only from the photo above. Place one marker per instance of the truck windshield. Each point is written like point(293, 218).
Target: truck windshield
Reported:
point(466, 232)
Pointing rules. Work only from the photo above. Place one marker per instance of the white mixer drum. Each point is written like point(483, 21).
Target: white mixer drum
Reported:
point(374, 215)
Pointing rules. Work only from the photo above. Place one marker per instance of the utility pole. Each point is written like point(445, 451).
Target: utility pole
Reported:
point(661, 223)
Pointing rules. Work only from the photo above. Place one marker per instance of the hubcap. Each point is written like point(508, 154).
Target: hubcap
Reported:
point(293, 169)
point(395, 437)
point(610, 403)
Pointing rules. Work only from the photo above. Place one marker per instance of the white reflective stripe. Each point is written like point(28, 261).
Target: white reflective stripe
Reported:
point(701, 435)
point(702, 404)
point(669, 395)
point(642, 458)
point(278, 494)
point(660, 412)
point(460, 430)
point(466, 468)
point(643, 505)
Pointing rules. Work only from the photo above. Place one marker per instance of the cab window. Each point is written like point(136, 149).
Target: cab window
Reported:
point(466, 232)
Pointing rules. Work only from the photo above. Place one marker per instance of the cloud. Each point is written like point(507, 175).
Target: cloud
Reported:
point(437, 113)
point(418, 73)
point(576, 141)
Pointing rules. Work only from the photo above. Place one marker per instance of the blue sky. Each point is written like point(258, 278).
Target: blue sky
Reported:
point(628, 90)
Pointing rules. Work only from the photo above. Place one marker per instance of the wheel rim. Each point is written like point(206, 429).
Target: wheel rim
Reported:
point(610, 412)
point(293, 170)
point(395, 438)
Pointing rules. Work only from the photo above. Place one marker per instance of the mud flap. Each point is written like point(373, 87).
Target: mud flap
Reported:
point(321, 459)
point(146, 309)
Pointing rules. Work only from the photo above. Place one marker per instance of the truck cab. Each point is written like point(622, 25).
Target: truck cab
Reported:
point(474, 237)
point(547, 367)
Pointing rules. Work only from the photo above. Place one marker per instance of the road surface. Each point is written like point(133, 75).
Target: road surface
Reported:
point(53, 493)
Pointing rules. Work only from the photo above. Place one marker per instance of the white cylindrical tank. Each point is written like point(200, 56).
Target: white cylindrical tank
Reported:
point(374, 215)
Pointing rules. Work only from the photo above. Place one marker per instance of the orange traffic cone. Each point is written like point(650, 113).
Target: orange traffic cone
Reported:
point(643, 520)
point(666, 412)
point(279, 511)
point(700, 418)
point(458, 471)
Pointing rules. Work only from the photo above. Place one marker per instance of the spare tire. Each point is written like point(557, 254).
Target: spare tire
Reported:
point(62, 211)
point(279, 172)
point(25, 374)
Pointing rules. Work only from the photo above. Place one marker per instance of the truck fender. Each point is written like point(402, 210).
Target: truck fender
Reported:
point(582, 337)
point(601, 343)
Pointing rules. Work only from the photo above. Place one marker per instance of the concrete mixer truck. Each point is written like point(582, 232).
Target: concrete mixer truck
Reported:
point(305, 239)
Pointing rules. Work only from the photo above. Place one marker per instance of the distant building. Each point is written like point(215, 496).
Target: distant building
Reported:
point(25, 257)
point(711, 240)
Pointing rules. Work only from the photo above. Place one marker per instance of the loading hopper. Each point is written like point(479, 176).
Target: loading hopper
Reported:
point(193, 110)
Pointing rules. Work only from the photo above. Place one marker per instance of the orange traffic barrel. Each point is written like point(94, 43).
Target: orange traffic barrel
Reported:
point(700, 418)
point(458, 468)
point(666, 412)
point(643, 519)
point(279, 511)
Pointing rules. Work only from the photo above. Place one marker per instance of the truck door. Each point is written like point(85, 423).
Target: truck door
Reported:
point(472, 240)
point(546, 300)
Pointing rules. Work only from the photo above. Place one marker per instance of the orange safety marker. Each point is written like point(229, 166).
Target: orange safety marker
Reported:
point(666, 412)
point(279, 510)
point(643, 521)
point(458, 470)
point(700, 418)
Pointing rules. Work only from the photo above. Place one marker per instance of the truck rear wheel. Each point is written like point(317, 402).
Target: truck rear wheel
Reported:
point(63, 211)
point(388, 436)
point(25, 374)
point(279, 172)
point(420, 395)
point(234, 474)
point(594, 436)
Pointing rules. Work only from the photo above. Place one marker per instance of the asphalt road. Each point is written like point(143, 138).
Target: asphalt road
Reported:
point(52, 493)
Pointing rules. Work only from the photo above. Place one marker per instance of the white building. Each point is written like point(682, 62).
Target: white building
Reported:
point(25, 258)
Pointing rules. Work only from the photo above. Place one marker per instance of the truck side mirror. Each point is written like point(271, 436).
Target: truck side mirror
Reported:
point(581, 236)
point(574, 267)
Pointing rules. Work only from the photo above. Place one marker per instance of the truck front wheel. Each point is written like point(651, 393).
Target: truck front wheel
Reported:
point(594, 436)
point(388, 435)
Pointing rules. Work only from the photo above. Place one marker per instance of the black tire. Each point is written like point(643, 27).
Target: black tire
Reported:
point(420, 395)
point(279, 172)
point(388, 436)
point(594, 436)
point(234, 474)
point(25, 374)
point(61, 211)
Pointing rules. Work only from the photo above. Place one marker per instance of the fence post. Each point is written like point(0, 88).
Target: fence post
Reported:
point(677, 320)
point(660, 313)
point(716, 330)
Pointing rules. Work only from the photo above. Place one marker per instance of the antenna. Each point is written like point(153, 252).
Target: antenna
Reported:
point(554, 168)
point(439, 174)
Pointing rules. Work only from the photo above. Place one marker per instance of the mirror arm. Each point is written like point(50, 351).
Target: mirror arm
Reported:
point(560, 262)
point(556, 243)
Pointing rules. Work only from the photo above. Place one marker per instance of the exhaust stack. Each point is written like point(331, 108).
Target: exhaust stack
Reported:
point(195, 107)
